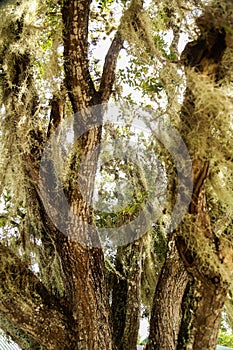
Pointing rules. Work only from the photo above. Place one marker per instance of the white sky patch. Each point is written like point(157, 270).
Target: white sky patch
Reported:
point(144, 328)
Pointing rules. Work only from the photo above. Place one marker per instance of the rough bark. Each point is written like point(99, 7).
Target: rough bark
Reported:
point(85, 296)
point(108, 75)
point(24, 341)
point(166, 313)
point(193, 322)
point(30, 307)
point(126, 301)
point(126, 293)
point(209, 288)
point(81, 254)
point(80, 87)
point(207, 305)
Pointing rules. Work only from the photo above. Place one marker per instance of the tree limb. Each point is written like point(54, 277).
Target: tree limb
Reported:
point(17, 335)
point(108, 75)
point(29, 306)
point(56, 113)
point(75, 16)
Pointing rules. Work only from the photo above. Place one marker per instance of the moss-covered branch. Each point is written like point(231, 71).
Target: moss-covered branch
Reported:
point(109, 70)
point(75, 16)
point(29, 306)
point(17, 335)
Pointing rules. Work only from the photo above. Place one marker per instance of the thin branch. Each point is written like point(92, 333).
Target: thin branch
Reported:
point(7, 220)
point(109, 70)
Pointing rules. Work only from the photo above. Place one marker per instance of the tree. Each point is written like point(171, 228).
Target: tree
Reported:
point(198, 278)
point(60, 287)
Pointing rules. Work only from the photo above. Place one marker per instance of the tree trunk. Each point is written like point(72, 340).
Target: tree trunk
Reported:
point(208, 302)
point(126, 296)
point(191, 291)
point(166, 314)
point(83, 314)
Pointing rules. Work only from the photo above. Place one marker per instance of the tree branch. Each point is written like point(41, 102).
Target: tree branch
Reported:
point(75, 16)
point(56, 114)
point(5, 219)
point(17, 335)
point(109, 70)
point(28, 305)
point(108, 75)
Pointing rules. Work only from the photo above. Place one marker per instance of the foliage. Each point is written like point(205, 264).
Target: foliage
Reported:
point(225, 339)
